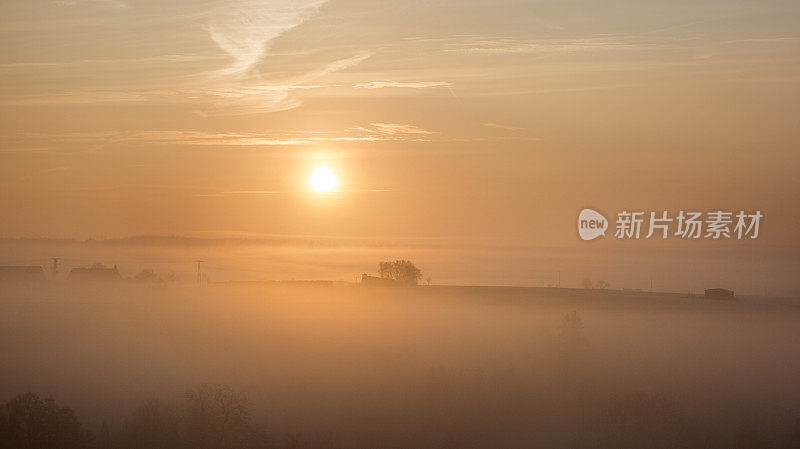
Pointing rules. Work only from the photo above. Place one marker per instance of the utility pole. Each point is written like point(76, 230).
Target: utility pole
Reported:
point(199, 276)
point(55, 265)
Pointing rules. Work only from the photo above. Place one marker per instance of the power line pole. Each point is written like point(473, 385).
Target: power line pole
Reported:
point(199, 275)
point(55, 265)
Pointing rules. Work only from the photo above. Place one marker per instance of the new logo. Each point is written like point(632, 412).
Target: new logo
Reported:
point(591, 224)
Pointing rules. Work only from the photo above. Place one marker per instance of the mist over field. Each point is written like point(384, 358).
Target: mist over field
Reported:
point(425, 366)
point(413, 224)
point(748, 268)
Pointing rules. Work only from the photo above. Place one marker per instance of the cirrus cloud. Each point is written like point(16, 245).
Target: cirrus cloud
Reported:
point(243, 29)
point(395, 84)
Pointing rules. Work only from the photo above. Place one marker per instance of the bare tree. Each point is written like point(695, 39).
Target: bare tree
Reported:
point(587, 283)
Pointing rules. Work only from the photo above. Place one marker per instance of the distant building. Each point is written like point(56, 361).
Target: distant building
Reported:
point(374, 280)
point(95, 273)
point(21, 273)
point(719, 293)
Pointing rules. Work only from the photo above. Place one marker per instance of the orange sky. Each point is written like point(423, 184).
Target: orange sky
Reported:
point(481, 121)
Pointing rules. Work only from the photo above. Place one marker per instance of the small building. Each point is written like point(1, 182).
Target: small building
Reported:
point(95, 274)
point(375, 280)
point(21, 273)
point(719, 293)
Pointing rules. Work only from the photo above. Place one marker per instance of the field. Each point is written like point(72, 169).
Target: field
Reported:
point(456, 367)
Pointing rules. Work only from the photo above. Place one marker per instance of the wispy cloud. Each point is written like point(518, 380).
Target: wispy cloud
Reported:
point(513, 46)
point(257, 96)
point(393, 129)
point(218, 96)
point(395, 84)
point(244, 29)
point(379, 132)
point(201, 138)
point(500, 126)
point(332, 67)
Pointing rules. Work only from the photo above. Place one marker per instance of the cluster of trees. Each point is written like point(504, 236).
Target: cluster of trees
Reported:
point(401, 271)
point(30, 422)
point(212, 417)
point(217, 417)
point(146, 275)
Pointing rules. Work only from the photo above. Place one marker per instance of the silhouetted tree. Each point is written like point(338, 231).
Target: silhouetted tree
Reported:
point(587, 283)
point(385, 270)
point(602, 284)
point(29, 422)
point(428, 280)
point(217, 417)
point(402, 271)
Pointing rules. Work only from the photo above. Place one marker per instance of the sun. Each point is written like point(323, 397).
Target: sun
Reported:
point(322, 180)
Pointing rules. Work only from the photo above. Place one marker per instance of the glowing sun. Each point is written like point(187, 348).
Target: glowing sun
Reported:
point(322, 180)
